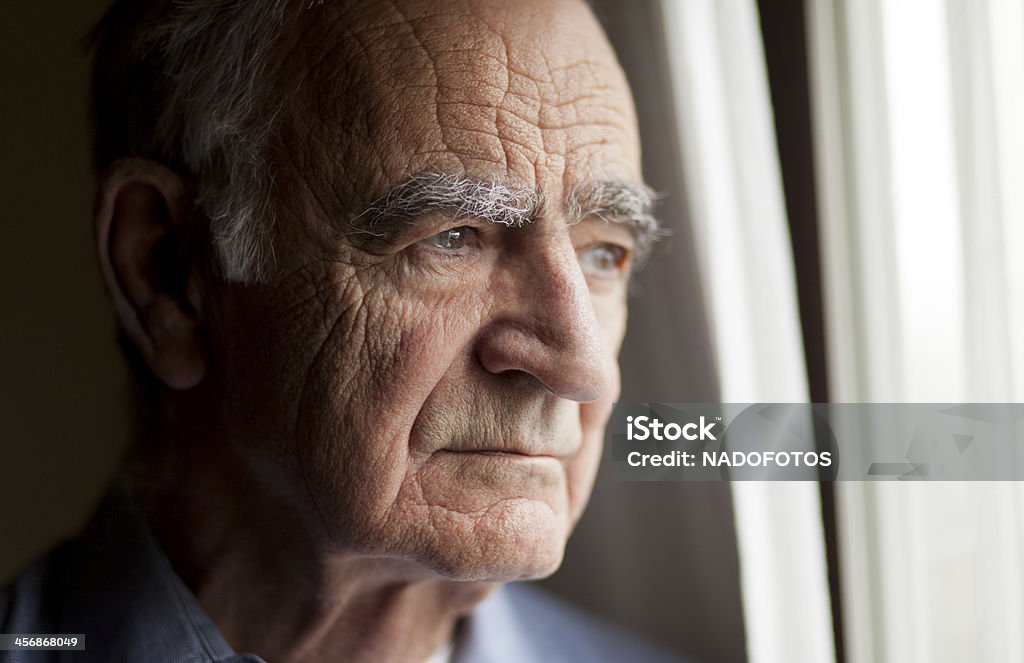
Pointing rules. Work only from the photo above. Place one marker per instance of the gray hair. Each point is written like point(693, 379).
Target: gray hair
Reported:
point(494, 201)
point(191, 83)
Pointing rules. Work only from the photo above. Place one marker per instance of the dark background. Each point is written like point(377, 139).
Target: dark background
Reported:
point(62, 393)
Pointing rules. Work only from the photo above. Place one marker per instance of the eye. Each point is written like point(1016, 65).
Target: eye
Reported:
point(603, 260)
point(452, 239)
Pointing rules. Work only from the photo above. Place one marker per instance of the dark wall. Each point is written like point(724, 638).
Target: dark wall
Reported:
point(60, 395)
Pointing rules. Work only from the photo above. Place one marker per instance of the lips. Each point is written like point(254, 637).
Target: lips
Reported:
point(552, 448)
point(501, 454)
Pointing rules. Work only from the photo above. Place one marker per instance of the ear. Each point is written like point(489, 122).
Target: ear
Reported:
point(140, 213)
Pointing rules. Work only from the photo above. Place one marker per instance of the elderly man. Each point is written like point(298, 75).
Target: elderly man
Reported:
point(370, 262)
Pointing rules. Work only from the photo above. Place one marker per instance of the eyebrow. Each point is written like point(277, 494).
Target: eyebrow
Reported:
point(512, 206)
point(616, 201)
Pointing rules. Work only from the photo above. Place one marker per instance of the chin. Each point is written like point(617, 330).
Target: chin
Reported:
point(515, 539)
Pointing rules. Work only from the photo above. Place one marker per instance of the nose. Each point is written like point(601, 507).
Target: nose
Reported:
point(545, 326)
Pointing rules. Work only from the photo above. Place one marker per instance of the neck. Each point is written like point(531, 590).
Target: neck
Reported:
point(273, 587)
point(360, 613)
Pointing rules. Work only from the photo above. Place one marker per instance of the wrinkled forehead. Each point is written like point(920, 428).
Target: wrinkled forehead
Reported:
point(528, 92)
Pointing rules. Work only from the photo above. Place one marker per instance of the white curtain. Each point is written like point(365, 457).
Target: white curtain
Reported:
point(733, 184)
point(919, 129)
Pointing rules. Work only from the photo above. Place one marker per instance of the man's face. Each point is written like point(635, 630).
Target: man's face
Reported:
point(428, 384)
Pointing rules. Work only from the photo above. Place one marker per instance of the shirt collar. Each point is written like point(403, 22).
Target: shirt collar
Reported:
point(130, 599)
point(493, 633)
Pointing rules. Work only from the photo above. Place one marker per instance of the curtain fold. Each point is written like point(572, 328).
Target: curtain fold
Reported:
point(918, 108)
point(733, 181)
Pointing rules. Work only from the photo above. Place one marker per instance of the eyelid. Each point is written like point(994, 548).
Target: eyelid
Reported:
point(611, 229)
point(447, 223)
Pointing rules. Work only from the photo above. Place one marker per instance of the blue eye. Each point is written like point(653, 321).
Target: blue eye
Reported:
point(452, 239)
point(603, 259)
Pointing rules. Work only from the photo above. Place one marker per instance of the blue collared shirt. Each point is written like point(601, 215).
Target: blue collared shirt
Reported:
point(114, 585)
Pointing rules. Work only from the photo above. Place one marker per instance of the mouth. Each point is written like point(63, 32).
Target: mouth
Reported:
point(507, 453)
point(512, 447)
point(499, 453)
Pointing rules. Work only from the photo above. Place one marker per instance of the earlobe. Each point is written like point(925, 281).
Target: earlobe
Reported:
point(140, 216)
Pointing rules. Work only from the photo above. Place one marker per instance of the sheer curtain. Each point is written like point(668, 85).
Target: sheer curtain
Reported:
point(919, 114)
point(727, 138)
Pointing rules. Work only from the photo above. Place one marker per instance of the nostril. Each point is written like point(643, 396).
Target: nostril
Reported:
point(507, 376)
point(515, 373)
point(515, 378)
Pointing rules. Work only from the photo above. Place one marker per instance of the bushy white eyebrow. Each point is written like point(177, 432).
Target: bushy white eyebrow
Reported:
point(494, 202)
point(508, 205)
point(616, 201)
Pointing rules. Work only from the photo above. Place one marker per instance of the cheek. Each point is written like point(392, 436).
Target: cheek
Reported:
point(611, 314)
point(583, 469)
point(368, 379)
point(610, 311)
